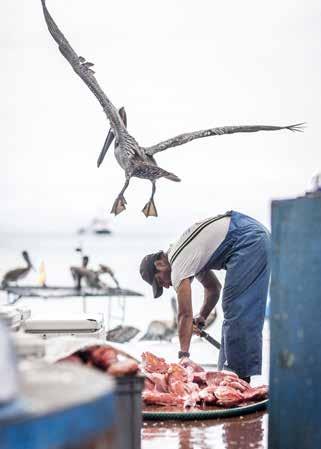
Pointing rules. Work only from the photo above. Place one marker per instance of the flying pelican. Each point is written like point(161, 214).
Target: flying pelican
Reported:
point(135, 160)
point(18, 273)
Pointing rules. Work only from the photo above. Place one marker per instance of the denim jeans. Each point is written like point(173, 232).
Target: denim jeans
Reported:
point(245, 255)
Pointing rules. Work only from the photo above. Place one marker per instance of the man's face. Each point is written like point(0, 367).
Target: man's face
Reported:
point(163, 273)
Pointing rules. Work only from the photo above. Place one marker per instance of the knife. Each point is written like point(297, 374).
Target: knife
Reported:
point(207, 337)
point(210, 339)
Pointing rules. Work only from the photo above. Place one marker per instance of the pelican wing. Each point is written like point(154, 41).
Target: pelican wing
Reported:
point(14, 274)
point(188, 137)
point(83, 70)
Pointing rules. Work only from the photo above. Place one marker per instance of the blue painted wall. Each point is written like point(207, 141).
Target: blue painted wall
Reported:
point(295, 320)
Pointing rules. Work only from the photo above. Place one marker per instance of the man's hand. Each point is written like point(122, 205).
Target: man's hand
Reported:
point(185, 362)
point(198, 322)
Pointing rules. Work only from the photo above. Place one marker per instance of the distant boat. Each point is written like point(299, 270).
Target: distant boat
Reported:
point(100, 226)
point(97, 226)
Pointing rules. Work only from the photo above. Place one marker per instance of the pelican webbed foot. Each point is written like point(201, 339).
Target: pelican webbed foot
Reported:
point(150, 209)
point(119, 205)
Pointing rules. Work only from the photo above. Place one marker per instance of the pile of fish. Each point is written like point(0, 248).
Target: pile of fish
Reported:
point(104, 358)
point(172, 384)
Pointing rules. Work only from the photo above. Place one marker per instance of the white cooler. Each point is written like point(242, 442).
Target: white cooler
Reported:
point(80, 325)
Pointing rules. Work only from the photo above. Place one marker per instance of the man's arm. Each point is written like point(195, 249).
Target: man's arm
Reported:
point(185, 314)
point(212, 290)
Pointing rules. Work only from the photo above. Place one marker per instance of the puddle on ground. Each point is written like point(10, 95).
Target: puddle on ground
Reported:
point(243, 432)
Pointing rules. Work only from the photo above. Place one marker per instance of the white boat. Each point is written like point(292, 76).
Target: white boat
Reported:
point(98, 226)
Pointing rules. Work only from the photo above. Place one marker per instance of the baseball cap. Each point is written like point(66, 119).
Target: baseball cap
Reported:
point(148, 270)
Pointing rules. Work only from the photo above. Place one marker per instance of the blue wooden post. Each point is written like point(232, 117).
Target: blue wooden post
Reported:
point(295, 373)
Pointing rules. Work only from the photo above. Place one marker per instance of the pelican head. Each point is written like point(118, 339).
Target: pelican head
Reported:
point(110, 137)
point(26, 257)
point(85, 261)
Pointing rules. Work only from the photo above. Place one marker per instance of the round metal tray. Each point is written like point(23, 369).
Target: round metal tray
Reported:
point(159, 413)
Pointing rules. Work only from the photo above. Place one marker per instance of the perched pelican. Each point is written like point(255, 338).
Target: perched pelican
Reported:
point(78, 273)
point(135, 160)
point(18, 273)
point(105, 269)
point(91, 277)
point(163, 329)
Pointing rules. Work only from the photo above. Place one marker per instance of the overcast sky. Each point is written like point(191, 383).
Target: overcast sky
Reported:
point(176, 66)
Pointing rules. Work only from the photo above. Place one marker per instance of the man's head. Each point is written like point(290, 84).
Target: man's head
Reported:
point(156, 271)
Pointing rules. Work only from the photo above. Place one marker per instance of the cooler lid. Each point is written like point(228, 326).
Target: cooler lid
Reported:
point(80, 322)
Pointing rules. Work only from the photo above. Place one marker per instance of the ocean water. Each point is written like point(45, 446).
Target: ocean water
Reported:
point(122, 252)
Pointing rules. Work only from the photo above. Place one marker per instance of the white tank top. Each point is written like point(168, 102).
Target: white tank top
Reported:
point(191, 252)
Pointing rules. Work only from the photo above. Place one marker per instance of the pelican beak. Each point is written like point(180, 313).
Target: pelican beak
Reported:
point(108, 141)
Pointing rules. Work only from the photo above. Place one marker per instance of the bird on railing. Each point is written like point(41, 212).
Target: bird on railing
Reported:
point(105, 269)
point(135, 160)
point(17, 274)
point(78, 273)
point(92, 280)
point(91, 277)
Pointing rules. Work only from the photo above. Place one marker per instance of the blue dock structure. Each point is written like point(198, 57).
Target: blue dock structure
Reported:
point(295, 372)
point(60, 406)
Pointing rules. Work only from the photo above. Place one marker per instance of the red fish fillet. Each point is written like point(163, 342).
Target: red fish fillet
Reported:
point(153, 364)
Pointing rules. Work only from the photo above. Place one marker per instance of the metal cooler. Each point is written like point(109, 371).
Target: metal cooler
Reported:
point(80, 325)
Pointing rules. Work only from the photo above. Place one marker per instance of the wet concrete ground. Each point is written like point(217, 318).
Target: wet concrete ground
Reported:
point(244, 432)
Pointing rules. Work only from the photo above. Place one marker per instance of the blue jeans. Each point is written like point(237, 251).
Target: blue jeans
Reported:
point(245, 255)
